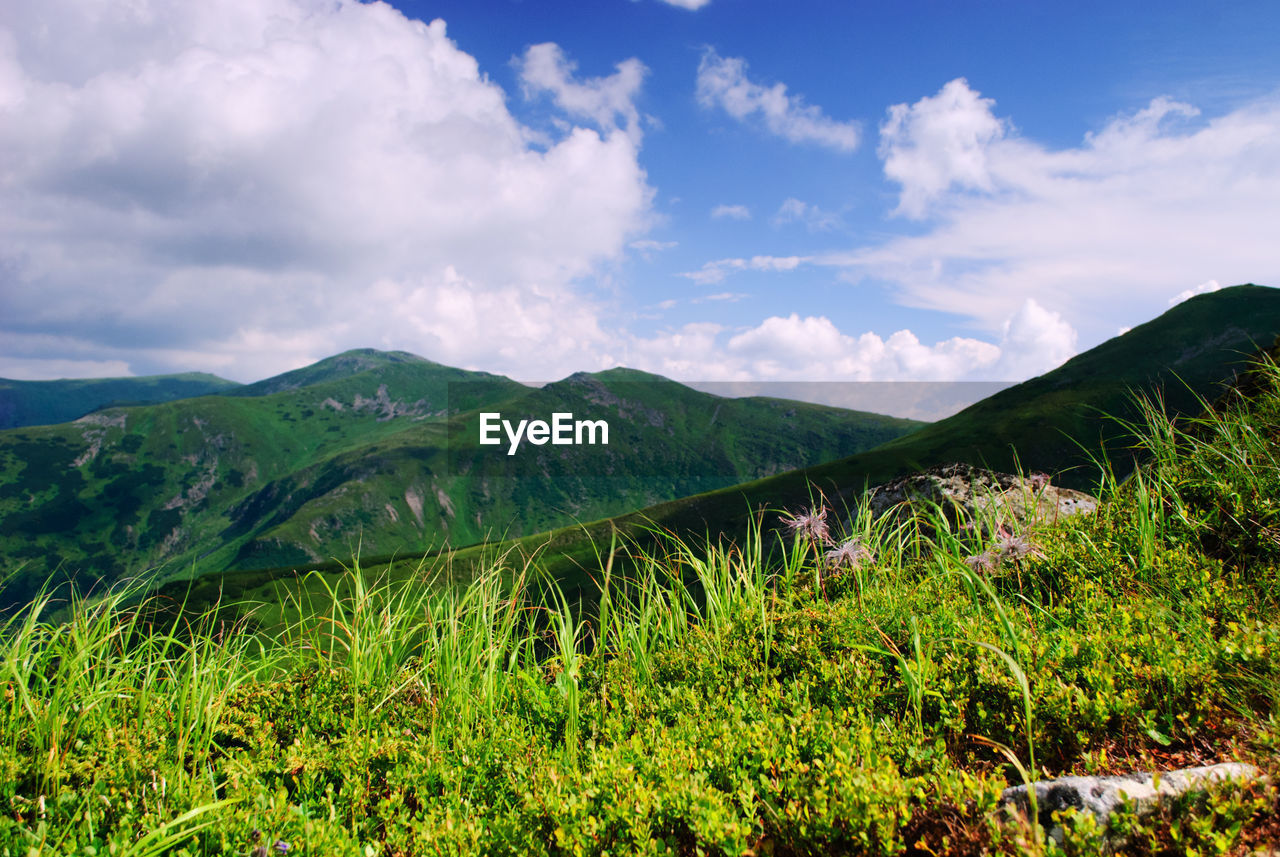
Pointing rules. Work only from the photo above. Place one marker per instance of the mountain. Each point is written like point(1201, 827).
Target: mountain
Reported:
point(31, 403)
point(376, 449)
point(349, 366)
point(1052, 423)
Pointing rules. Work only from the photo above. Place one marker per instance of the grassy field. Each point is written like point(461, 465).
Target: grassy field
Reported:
point(803, 691)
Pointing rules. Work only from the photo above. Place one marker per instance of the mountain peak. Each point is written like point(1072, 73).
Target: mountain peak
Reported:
point(339, 366)
point(617, 373)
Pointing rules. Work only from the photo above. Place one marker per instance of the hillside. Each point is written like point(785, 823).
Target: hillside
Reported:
point(32, 403)
point(355, 450)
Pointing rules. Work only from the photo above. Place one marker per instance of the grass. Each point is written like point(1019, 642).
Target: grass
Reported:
point(774, 696)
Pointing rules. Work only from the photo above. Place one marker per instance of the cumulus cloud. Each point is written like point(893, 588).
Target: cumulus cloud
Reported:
point(1034, 341)
point(812, 348)
point(939, 142)
point(250, 186)
point(1101, 232)
point(602, 100)
point(732, 212)
point(723, 83)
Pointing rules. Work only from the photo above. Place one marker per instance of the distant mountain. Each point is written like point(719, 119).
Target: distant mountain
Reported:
point(32, 403)
point(1052, 423)
point(379, 450)
point(342, 368)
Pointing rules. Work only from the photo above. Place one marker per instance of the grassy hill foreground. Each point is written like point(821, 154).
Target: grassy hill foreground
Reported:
point(861, 692)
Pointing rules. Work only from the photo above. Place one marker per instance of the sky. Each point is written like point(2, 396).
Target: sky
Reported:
point(712, 190)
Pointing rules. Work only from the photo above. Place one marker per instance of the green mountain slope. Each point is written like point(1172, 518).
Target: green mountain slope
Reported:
point(1051, 423)
point(32, 403)
point(356, 449)
point(425, 486)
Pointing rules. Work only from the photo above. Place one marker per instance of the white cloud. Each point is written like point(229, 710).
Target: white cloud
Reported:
point(603, 100)
point(723, 83)
point(248, 186)
point(1187, 294)
point(814, 218)
point(1034, 341)
point(732, 212)
point(715, 272)
point(939, 142)
point(1099, 232)
point(806, 349)
point(814, 349)
point(692, 5)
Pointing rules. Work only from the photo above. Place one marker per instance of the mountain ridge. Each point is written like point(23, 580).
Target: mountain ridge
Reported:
point(29, 403)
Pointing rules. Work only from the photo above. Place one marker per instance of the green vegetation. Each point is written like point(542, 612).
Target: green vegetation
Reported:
point(34, 403)
point(802, 691)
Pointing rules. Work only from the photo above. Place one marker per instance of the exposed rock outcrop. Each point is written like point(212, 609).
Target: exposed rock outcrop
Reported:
point(971, 494)
point(1102, 796)
point(94, 432)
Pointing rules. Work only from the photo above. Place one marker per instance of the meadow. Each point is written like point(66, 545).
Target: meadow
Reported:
point(827, 684)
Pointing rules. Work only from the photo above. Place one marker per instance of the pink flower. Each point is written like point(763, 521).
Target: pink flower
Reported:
point(851, 554)
point(811, 525)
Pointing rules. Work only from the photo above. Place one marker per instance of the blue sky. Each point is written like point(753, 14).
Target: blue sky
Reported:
point(742, 191)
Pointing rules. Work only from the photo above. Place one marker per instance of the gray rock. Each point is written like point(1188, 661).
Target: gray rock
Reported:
point(1102, 796)
point(968, 494)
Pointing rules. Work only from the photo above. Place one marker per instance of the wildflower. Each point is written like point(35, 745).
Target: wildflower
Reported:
point(282, 846)
point(1010, 546)
point(851, 554)
point(811, 525)
point(982, 562)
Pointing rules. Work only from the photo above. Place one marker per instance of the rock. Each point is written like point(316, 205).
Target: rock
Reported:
point(1102, 796)
point(971, 494)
